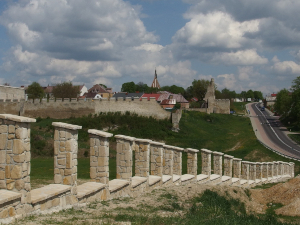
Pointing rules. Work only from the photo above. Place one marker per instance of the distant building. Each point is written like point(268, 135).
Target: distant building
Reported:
point(49, 90)
point(270, 100)
point(126, 95)
point(98, 91)
point(9, 93)
point(155, 83)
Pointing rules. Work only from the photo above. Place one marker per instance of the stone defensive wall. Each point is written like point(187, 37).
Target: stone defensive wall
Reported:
point(8, 92)
point(66, 108)
point(156, 165)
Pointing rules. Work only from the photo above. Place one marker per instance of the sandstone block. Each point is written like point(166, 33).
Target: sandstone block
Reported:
point(57, 179)
point(3, 141)
point(19, 158)
point(11, 211)
point(56, 135)
point(69, 146)
point(62, 134)
point(10, 184)
point(68, 172)
point(67, 180)
point(61, 162)
point(19, 185)
point(69, 160)
point(18, 147)
point(55, 202)
point(21, 133)
point(16, 172)
point(93, 172)
point(2, 184)
point(3, 214)
point(2, 157)
point(71, 200)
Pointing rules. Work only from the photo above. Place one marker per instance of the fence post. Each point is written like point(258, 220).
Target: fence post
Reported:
point(206, 162)
point(228, 159)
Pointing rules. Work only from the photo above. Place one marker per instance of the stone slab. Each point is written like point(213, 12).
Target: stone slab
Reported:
point(201, 177)
point(166, 178)
point(125, 137)
point(225, 178)
point(191, 150)
point(243, 182)
point(214, 177)
point(136, 181)
point(117, 184)
point(251, 182)
point(99, 133)
point(176, 177)
point(15, 118)
point(264, 179)
point(154, 179)
point(157, 143)
point(7, 196)
point(66, 125)
point(187, 177)
point(234, 180)
point(258, 181)
point(48, 191)
point(89, 188)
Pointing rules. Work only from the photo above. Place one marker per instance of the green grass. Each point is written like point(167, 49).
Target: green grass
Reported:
point(239, 107)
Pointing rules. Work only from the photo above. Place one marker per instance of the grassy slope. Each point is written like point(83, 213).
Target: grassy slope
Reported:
point(225, 133)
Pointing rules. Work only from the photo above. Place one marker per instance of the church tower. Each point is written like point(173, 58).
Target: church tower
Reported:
point(155, 83)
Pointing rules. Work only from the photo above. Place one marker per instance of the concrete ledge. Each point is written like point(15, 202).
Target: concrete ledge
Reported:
point(7, 196)
point(99, 133)
point(244, 182)
point(235, 181)
point(166, 178)
point(154, 179)
point(191, 150)
point(15, 118)
point(201, 177)
point(117, 184)
point(157, 143)
point(125, 137)
point(214, 177)
point(257, 181)
point(176, 177)
point(49, 191)
point(67, 126)
point(136, 181)
point(89, 188)
point(187, 177)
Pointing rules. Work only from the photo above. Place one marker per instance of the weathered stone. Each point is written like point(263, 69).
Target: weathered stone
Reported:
point(11, 129)
point(61, 162)
point(68, 172)
point(69, 160)
point(10, 185)
point(2, 184)
point(21, 133)
point(19, 158)
point(3, 129)
point(93, 172)
point(2, 157)
point(57, 179)
point(67, 180)
point(12, 211)
point(18, 147)
point(55, 202)
point(3, 214)
point(3, 140)
point(16, 172)
point(19, 185)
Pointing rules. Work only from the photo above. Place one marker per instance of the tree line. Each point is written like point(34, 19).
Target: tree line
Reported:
point(197, 89)
point(287, 104)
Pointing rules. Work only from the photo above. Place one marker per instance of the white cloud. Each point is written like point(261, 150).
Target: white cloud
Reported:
point(246, 57)
point(228, 81)
point(286, 68)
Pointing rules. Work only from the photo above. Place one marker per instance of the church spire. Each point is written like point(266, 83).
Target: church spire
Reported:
point(155, 83)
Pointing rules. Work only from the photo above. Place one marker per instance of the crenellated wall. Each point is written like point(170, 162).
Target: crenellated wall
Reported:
point(62, 109)
point(156, 165)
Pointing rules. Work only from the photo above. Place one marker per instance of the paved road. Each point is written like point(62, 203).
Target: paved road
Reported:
point(270, 131)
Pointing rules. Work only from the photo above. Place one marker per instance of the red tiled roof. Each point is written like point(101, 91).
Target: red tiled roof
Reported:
point(156, 96)
point(168, 102)
point(273, 95)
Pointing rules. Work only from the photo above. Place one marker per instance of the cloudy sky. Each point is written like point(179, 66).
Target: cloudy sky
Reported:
point(243, 44)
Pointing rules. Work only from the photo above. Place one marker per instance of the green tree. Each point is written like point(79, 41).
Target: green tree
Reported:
point(66, 90)
point(35, 91)
point(141, 87)
point(128, 87)
point(258, 95)
point(188, 94)
point(200, 88)
point(250, 94)
point(283, 103)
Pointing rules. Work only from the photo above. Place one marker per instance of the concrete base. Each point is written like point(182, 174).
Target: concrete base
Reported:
point(202, 179)
point(91, 191)
point(187, 179)
point(167, 180)
point(119, 188)
point(226, 180)
point(138, 185)
point(215, 179)
point(176, 179)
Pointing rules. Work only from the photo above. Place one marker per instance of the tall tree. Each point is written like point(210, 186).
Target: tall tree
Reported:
point(258, 95)
point(128, 87)
point(141, 87)
point(283, 103)
point(200, 88)
point(66, 90)
point(250, 94)
point(35, 91)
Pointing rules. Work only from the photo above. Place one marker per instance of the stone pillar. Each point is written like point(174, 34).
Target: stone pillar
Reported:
point(168, 160)
point(206, 162)
point(124, 156)
point(156, 159)
point(281, 168)
point(177, 160)
point(192, 161)
point(245, 170)
point(252, 171)
point(270, 170)
point(99, 156)
point(228, 165)
point(237, 167)
point(15, 155)
point(259, 170)
point(65, 154)
point(291, 170)
point(275, 169)
point(218, 163)
point(142, 155)
point(265, 172)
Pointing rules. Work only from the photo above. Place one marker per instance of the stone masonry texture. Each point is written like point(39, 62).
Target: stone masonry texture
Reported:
point(99, 156)
point(65, 154)
point(142, 155)
point(156, 158)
